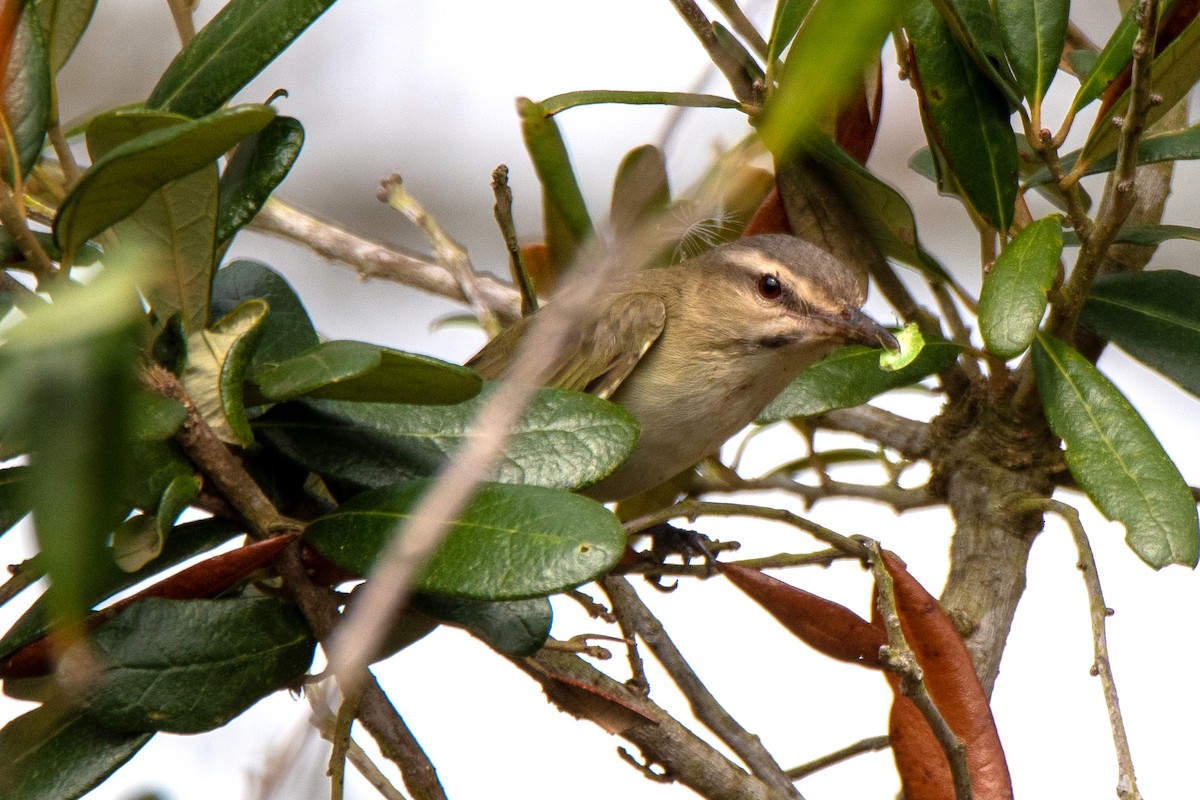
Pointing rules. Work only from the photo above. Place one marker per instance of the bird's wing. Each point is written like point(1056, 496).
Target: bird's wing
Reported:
point(599, 356)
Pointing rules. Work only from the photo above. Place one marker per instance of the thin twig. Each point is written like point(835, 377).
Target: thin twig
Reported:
point(516, 262)
point(869, 745)
point(820, 558)
point(1102, 666)
point(909, 437)
point(12, 216)
point(373, 259)
point(22, 296)
point(62, 149)
point(325, 723)
point(449, 253)
point(893, 496)
point(703, 704)
point(731, 68)
point(742, 25)
point(181, 12)
point(899, 658)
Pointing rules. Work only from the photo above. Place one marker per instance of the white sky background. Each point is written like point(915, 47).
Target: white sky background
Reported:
point(426, 89)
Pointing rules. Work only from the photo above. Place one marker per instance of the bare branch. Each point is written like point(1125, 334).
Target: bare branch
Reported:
point(869, 745)
point(739, 81)
point(325, 722)
point(910, 438)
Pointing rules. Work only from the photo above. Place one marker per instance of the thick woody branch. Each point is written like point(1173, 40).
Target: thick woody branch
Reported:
point(907, 437)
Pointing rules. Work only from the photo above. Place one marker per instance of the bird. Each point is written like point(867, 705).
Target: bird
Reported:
point(696, 350)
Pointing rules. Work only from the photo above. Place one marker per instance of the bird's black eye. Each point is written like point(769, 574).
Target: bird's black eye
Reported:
point(770, 287)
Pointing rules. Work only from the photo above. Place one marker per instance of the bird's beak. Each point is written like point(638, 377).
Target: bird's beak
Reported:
point(854, 327)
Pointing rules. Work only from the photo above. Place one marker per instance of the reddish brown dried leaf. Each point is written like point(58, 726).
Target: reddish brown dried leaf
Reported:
point(1178, 16)
point(955, 689)
point(858, 120)
point(822, 624)
point(769, 218)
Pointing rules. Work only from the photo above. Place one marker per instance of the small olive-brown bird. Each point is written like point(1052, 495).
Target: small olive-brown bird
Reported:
point(695, 351)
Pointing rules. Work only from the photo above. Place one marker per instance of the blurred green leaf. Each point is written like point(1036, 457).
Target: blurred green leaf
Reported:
point(641, 191)
point(143, 541)
point(564, 439)
point(567, 223)
point(789, 14)
point(107, 579)
point(851, 377)
point(1173, 146)
point(14, 500)
point(884, 213)
point(1033, 33)
point(229, 51)
point(834, 45)
point(511, 543)
point(1013, 299)
point(976, 28)
point(1111, 62)
point(56, 753)
point(588, 97)
point(125, 176)
point(1154, 316)
point(1115, 457)
point(27, 90)
point(156, 418)
point(1175, 71)
point(966, 119)
point(191, 666)
point(63, 23)
point(361, 372)
point(1082, 62)
point(516, 628)
point(216, 367)
point(258, 165)
point(287, 331)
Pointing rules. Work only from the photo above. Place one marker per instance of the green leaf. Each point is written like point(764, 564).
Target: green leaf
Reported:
point(27, 90)
point(258, 165)
point(911, 342)
point(789, 14)
point(966, 119)
point(1175, 71)
point(52, 753)
point(287, 331)
point(1154, 316)
point(1115, 458)
point(837, 42)
point(191, 666)
point(156, 418)
point(63, 23)
point(1173, 146)
point(974, 24)
point(564, 440)
point(14, 502)
point(1113, 58)
point(851, 377)
point(139, 540)
point(229, 51)
point(641, 191)
point(883, 212)
point(125, 176)
point(567, 223)
point(1033, 32)
point(511, 543)
point(216, 367)
point(361, 372)
point(106, 579)
point(516, 628)
point(588, 97)
point(1013, 299)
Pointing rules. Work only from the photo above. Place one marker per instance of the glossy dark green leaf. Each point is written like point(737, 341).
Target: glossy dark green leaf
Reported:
point(511, 543)
point(229, 51)
point(966, 119)
point(516, 628)
point(1173, 146)
point(258, 165)
point(191, 666)
point(14, 501)
point(1115, 457)
point(1013, 299)
point(106, 579)
point(216, 368)
point(641, 192)
point(1154, 316)
point(851, 377)
point(121, 180)
point(54, 753)
point(1110, 63)
point(361, 372)
point(883, 212)
point(836, 42)
point(287, 331)
point(974, 24)
point(1033, 33)
point(789, 14)
point(27, 91)
point(63, 23)
point(564, 440)
point(1175, 71)
point(567, 222)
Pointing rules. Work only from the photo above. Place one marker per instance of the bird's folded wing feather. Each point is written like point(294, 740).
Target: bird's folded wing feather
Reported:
point(600, 354)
